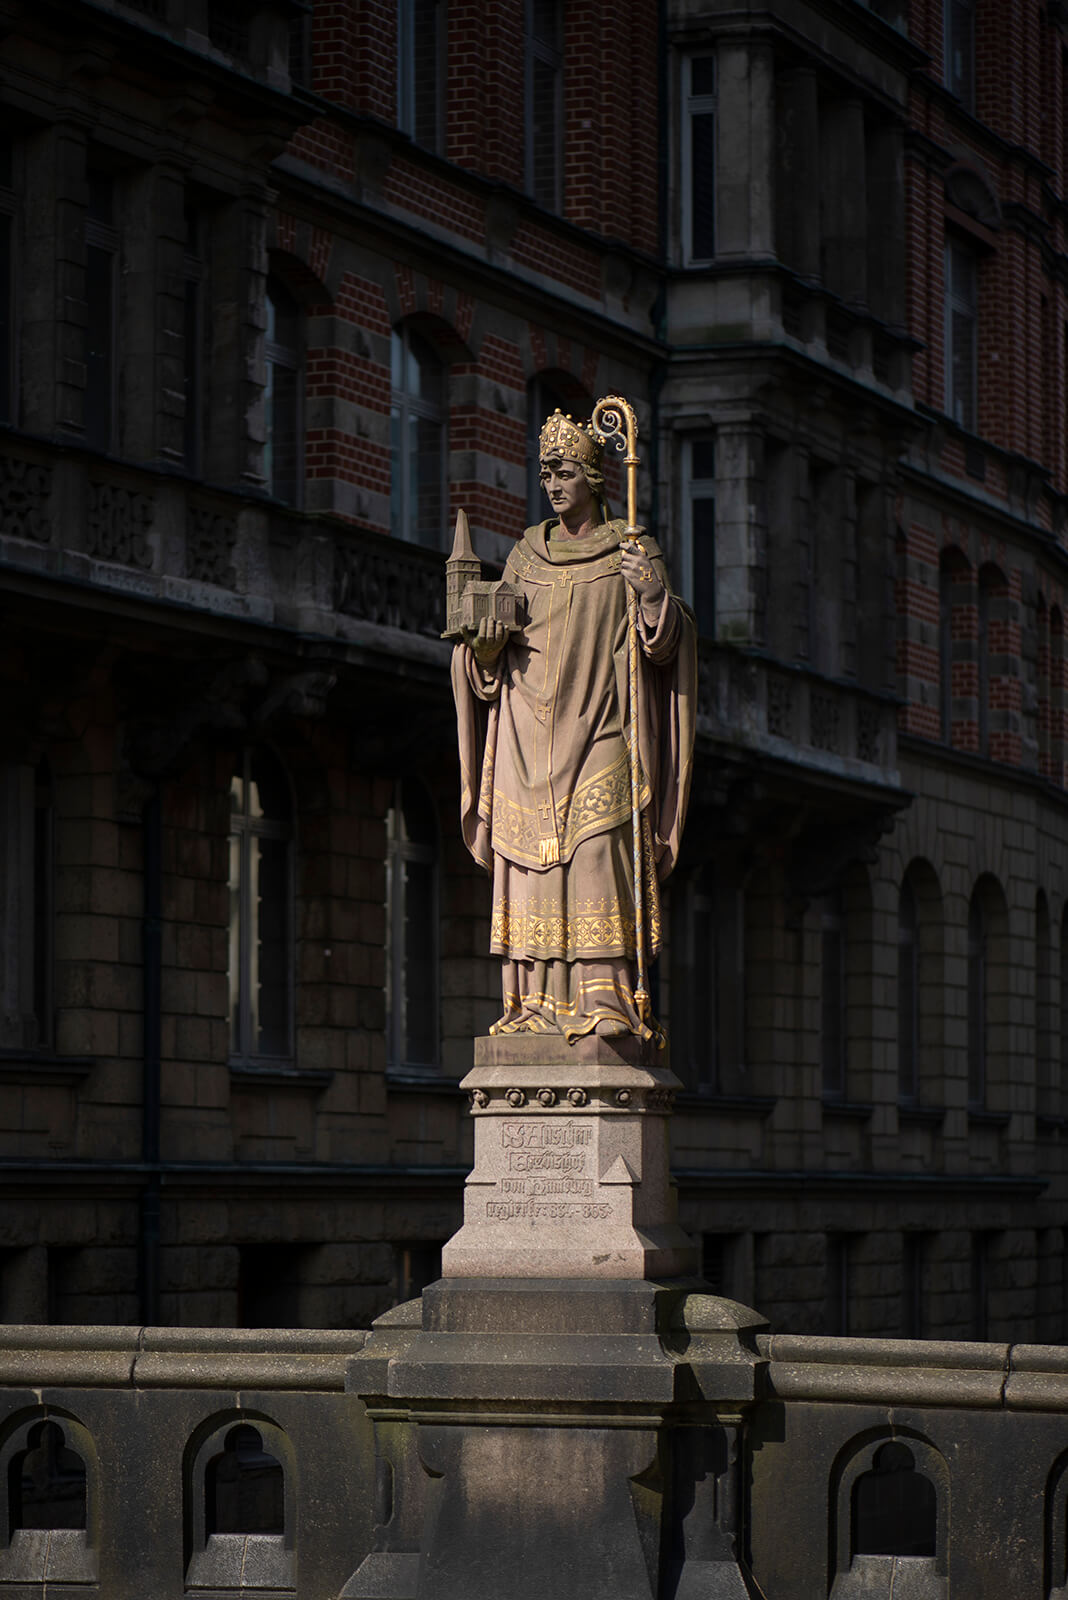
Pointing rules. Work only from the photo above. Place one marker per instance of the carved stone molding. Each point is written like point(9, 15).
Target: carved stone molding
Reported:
point(117, 525)
point(395, 589)
point(824, 721)
point(209, 547)
point(24, 490)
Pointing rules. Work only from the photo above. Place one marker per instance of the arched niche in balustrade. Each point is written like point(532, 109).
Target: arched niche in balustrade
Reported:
point(890, 1504)
point(48, 1473)
point(1057, 1529)
point(240, 1507)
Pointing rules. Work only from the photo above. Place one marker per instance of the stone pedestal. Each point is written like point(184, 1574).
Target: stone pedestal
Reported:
point(571, 1174)
point(554, 1440)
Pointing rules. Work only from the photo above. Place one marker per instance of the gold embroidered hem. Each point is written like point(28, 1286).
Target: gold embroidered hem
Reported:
point(572, 998)
point(583, 910)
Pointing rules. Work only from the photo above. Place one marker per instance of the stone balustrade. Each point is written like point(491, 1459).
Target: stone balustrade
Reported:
point(174, 1462)
point(796, 715)
point(147, 535)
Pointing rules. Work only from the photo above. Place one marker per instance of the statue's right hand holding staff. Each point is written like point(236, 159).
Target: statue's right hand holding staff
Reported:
point(487, 644)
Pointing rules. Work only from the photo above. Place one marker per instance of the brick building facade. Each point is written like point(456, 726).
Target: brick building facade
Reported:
point(281, 289)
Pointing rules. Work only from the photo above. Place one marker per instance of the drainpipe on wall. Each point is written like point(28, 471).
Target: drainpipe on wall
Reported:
point(152, 1016)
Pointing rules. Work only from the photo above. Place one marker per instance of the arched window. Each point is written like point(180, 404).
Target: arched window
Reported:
point(412, 929)
point(261, 908)
point(419, 500)
point(908, 996)
point(283, 450)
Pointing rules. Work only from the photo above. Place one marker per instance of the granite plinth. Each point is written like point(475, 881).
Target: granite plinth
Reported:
point(571, 1175)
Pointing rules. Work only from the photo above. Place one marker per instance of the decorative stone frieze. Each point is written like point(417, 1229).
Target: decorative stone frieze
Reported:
point(24, 490)
point(209, 547)
point(117, 525)
point(394, 588)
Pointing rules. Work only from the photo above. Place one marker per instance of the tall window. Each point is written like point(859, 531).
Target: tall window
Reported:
point(261, 909)
point(908, 995)
point(832, 996)
point(699, 531)
point(838, 1284)
point(1045, 1085)
point(7, 279)
point(101, 280)
point(43, 902)
point(193, 336)
point(961, 318)
point(421, 60)
point(960, 50)
point(945, 650)
point(695, 980)
point(1064, 1016)
point(418, 501)
point(283, 454)
point(543, 398)
point(699, 159)
point(978, 976)
point(412, 929)
point(545, 103)
point(914, 1252)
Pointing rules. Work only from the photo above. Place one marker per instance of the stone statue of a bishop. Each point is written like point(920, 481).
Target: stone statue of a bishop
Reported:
point(545, 724)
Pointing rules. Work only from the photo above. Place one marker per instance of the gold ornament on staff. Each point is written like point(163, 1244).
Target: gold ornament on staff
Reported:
point(614, 422)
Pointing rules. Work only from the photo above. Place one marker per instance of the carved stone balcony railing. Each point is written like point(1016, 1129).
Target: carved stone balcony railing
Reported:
point(788, 713)
point(172, 1461)
point(132, 532)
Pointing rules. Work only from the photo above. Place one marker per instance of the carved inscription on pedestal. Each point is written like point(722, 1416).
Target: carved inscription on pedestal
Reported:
point(547, 1173)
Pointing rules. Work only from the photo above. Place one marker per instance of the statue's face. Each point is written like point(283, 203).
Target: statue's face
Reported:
point(565, 484)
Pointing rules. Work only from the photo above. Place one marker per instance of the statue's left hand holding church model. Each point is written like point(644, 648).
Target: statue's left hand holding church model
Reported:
point(575, 691)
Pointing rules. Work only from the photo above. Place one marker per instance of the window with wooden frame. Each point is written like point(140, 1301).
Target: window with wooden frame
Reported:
point(101, 311)
point(412, 930)
point(419, 497)
point(261, 909)
point(8, 248)
point(545, 103)
point(283, 396)
point(421, 71)
point(698, 159)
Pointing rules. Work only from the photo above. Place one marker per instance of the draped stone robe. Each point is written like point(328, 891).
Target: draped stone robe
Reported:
point(546, 791)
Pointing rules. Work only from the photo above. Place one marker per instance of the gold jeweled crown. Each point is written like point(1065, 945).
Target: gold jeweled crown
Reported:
point(563, 437)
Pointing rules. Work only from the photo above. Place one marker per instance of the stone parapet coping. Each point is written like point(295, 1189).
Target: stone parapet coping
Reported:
point(176, 1358)
point(958, 1373)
